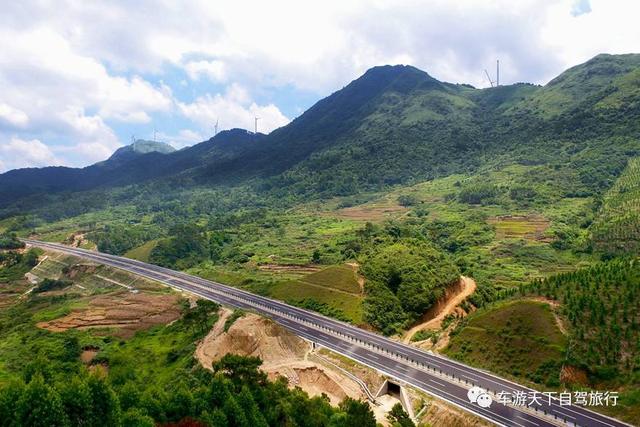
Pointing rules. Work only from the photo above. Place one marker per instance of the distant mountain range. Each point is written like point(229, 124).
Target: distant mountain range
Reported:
point(394, 124)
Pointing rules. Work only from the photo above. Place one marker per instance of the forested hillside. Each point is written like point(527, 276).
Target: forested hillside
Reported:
point(393, 125)
point(616, 229)
point(602, 304)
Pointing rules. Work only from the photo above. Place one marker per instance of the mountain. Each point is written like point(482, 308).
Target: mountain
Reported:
point(131, 164)
point(138, 147)
point(397, 124)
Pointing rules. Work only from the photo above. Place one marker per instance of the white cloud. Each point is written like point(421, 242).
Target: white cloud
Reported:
point(53, 92)
point(234, 109)
point(214, 70)
point(72, 72)
point(12, 116)
point(184, 138)
point(19, 153)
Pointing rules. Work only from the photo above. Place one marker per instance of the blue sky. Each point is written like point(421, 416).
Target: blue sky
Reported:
point(78, 79)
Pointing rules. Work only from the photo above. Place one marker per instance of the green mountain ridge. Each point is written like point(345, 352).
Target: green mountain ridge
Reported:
point(393, 125)
point(142, 146)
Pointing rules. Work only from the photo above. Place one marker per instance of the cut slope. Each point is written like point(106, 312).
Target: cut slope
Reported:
point(445, 306)
point(283, 354)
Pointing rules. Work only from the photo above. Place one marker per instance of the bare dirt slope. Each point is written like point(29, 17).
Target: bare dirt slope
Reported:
point(283, 354)
point(453, 297)
point(126, 312)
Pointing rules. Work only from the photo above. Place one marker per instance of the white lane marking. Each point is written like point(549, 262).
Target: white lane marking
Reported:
point(586, 416)
point(529, 421)
point(438, 382)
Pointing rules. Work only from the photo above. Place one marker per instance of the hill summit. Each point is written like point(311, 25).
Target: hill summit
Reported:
point(141, 146)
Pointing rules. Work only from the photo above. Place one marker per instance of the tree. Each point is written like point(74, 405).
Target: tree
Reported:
point(135, 418)
point(40, 406)
point(399, 418)
point(354, 413)
point(240, 369)
point(10, 241)
point(316, 257)
point(407, 200)
point(9, 395)
point(76, 401)
point(106, 407)
point(198, 316)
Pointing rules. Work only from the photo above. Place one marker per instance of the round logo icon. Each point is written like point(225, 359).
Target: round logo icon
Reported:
point(484, 400)
point(479, 396)
point(473, 394)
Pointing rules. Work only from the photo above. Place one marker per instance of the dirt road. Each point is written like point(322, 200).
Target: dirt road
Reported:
point(433, 317)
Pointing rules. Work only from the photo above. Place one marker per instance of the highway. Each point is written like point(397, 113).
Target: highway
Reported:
point(438, 376)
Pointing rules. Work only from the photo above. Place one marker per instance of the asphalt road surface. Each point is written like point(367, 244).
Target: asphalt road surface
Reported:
point(436, 375)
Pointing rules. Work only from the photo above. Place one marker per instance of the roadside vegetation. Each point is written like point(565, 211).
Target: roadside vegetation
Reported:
point(97, 376)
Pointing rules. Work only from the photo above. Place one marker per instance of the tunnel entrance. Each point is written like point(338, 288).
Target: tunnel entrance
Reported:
point(391, 393)
point(393, 390)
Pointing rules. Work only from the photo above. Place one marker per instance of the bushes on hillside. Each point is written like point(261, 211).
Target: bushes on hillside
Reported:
point(405, 275)
point(10, 241)
point(51, 285)
point(119, 239)
point(479, 194)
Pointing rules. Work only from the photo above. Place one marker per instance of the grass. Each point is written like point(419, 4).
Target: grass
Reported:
point(142, 252)
point(502, 339)
point(519, 227)
point(58, 310)
point(341, 277)
point(350, 305)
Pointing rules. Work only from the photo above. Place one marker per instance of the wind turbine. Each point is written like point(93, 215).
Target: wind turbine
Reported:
point(256, 118)
point(488, 77)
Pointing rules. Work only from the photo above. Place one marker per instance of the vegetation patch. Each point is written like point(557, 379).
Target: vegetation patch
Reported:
point(229, 321)
point(519, 227)
point(349, 305)
point(340, 277)
point(616, 229)
point(501, 338)
point(142, 252)
point(602, 305)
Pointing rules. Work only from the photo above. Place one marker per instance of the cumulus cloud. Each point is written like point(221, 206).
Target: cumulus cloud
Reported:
point(12, 116)
point(20, 153)
point(214, 70)
point(51, 91)
point(233, 109)
point(81, 75)
point(184, 138)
